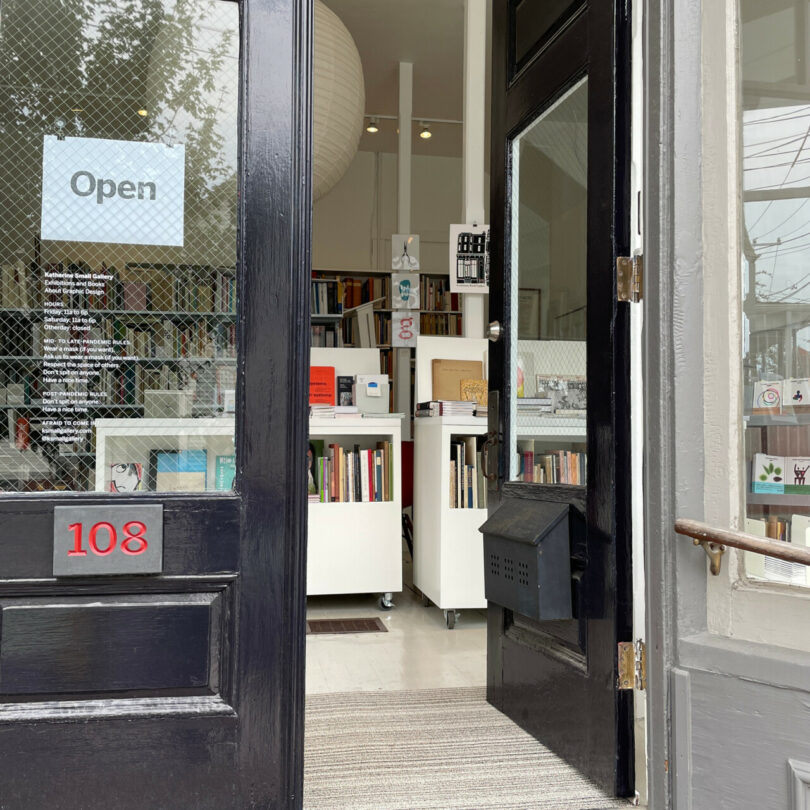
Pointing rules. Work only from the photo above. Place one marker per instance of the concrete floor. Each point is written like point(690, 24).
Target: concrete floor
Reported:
point(417, 652)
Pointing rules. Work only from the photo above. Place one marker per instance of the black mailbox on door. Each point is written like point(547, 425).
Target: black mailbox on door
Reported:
point(527, 557)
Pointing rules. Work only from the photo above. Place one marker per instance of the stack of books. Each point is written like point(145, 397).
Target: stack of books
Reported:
point(534, 406)
point(556, 467)
point(343, 475)
point(468, 487)
point(322, 411)
point(445, 407)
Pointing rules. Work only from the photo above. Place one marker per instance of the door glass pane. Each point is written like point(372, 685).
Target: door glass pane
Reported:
point(775, 281)
point(549, 262)
point(118, 206)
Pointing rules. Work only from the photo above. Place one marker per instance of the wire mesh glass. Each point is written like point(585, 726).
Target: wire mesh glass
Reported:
point(118, 216)
point(549, 267)
point(775, 283)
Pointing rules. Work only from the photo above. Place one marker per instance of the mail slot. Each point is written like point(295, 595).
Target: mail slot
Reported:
point(527, 556)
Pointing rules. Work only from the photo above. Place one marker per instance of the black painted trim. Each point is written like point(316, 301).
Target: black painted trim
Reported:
point(596, 44)
point(274, 368)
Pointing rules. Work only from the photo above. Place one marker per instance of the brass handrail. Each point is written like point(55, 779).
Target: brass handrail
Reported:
point(714, 541)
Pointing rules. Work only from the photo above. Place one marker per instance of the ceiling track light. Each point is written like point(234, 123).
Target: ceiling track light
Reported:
point(425, 132)
point(373, 126)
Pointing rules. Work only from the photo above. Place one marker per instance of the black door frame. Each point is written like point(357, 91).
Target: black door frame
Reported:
point(276, 212)
point(595, 32)
point(263, 684)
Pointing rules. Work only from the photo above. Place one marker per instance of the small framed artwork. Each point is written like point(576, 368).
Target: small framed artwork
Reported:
point(528, 314)
point(404, 291)
point(404, 328)
point(469, 258)
point(404, 251)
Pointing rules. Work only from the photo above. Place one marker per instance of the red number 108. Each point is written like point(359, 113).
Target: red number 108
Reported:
point(103, 538)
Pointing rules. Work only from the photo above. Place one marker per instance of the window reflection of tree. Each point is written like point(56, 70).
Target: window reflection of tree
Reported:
point(86, 67)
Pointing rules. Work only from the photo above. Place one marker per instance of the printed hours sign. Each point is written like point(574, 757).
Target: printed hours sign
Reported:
point(118, 192)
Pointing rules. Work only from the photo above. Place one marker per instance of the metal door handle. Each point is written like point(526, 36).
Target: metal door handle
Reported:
point(494, 331)
point(491, 441)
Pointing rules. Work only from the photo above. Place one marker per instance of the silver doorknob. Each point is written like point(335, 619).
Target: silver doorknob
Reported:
point(494, 331)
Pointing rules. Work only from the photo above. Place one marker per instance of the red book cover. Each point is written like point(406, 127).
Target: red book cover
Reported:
point(322, 385)
point(370, 465)
point(528, 465)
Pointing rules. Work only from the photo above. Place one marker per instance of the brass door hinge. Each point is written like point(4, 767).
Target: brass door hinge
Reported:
point(630, 278)
point(632, 665)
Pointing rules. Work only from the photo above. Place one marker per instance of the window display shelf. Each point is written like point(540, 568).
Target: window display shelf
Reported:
point(141, 441)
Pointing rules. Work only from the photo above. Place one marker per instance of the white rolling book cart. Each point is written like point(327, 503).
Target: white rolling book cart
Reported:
point(356, 547)
point(448, 547)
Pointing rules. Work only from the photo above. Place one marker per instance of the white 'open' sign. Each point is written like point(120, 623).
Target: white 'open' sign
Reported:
point(119, 192)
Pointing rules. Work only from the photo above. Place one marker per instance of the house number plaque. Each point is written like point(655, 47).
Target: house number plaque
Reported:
point(103, 540)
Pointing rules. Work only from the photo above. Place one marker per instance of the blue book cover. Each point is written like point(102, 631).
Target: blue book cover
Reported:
point(181, 471)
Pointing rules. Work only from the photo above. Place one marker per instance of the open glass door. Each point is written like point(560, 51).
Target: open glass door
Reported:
point(151, 569)
point(560, 381)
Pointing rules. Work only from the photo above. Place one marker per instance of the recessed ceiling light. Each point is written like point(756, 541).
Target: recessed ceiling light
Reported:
point(425, 133)
point(373, 126)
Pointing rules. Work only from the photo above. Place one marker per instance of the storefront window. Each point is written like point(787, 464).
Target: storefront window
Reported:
point(118, 212)
point(549, 268)
point(776, 279)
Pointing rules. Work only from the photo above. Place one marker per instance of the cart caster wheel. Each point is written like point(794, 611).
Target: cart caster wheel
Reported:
point(450, 619)
point(425, 601)
point(386, 602)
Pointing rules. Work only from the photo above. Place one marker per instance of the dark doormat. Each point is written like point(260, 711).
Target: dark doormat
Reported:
point(320, 626)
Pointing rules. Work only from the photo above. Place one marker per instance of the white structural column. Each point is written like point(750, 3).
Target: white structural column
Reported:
point(404, 152)
point(475, 66)
point(403, 356)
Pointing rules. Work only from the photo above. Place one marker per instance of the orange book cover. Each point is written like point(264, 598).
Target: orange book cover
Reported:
point(322, 385)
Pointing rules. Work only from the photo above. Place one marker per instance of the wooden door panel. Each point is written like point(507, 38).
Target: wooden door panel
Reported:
point(100, 645)
point(122, 764)
point(194, 535)
point(558, 680)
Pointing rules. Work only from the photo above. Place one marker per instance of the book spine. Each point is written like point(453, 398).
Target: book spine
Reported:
point(364, 475)
point(378, 475)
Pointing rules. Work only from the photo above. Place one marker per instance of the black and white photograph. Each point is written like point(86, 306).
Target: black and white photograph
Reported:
point(469, 258)
point(567, 394)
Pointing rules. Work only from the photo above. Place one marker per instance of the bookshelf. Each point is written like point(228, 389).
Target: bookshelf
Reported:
point(448, 548)
point(89, 343)
point(357, 547)
point(335, 298)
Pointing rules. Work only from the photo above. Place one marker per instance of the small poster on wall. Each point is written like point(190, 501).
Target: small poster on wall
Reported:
point(404, 291)
point(469, 258)
point(404, 328)
point(404, 251)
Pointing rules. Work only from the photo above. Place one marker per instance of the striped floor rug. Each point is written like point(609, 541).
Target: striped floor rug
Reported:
point(441, 749)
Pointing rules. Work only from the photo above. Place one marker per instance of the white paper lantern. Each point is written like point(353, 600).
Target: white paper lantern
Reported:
point(339, 100)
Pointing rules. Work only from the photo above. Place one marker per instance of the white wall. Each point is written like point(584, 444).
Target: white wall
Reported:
point(353, 223)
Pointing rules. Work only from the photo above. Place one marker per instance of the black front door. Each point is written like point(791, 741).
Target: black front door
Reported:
point(560, 374)
point(154, 238)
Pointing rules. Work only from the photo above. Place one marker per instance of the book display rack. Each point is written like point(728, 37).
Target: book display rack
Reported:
point(356, 546)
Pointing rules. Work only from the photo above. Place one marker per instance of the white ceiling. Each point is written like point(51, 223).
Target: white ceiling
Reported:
point(428, 33)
